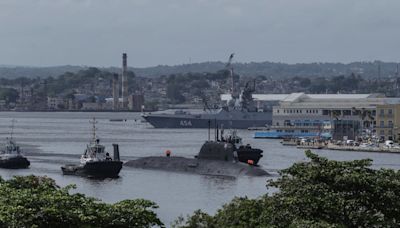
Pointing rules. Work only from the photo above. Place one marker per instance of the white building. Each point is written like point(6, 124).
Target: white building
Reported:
point(300, 107)
point(315, 112)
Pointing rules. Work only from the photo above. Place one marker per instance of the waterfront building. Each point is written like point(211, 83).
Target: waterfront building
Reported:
point(388, 122)
point(55, 103)
point(344, 115)
point(136, 102)
point(350, 115)
point(91, 106)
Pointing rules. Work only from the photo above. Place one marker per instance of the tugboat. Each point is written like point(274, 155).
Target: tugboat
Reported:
point(245, 153)
point(11, 156)
point(95, 161)
point(230, 148)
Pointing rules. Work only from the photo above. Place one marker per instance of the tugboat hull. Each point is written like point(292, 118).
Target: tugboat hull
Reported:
point(224, 152)
point(246, 154)
point(14, 163)
point(101, 169)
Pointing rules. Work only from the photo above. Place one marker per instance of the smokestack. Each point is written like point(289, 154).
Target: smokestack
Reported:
point(116, 152)
point(124, 81)
point(115, 88)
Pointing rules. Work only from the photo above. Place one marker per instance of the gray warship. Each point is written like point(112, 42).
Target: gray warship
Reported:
point(240, 112)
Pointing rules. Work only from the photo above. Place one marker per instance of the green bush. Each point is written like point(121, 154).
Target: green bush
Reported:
point(318, 193)
point(38, 202)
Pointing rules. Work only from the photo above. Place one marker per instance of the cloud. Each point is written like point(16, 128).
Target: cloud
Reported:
point(95, 32)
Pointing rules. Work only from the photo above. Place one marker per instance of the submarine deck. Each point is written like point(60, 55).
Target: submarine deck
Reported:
point(197, 166)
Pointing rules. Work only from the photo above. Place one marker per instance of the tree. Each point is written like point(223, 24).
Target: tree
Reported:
point(318, 193)
point(8, 94)
point(174, 93)
point(200, 84)
point(32, 201)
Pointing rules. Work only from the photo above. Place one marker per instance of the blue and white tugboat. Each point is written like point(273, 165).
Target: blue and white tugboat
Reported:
point(11, 156)
point(95, 161)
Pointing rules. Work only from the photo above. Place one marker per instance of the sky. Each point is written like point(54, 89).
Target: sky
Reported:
point(170, 32)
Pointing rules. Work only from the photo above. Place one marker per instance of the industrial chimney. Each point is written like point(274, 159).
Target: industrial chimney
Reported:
point(124, 82)
point(115, 87)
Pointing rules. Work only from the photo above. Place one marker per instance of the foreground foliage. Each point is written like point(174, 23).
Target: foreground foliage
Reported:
point(318, 193)
point(38, 202)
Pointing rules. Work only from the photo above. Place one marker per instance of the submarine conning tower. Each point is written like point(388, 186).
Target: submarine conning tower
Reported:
point(216, 151)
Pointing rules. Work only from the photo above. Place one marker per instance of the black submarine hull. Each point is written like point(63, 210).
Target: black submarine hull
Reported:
point(100, 169)
point(197, 166)
point(14, 163)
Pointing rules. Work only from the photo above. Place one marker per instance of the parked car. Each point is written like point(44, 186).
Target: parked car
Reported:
point(350, 142)
point(389, 143)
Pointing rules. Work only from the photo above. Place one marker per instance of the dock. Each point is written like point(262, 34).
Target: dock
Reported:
point(363, 149)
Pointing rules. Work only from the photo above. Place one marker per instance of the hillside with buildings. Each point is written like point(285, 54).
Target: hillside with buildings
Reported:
point(94, 89)
point(269, 69)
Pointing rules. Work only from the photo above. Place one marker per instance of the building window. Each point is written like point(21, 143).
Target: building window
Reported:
point(390, 132)
point(382, 132)
point(346, 112)
point(382, 111)
point(390, 111)
point(390, 123)
point(382, 123)
point(326, 112)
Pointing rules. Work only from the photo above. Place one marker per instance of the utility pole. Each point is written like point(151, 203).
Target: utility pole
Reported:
point(379, 72)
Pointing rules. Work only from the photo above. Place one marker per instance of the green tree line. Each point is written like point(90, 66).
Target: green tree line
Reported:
point(315, 193)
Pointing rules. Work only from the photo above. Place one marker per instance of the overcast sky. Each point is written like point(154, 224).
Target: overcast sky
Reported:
point(153, 32)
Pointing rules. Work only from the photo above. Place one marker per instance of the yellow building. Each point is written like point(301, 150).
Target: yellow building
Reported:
point(388, 121)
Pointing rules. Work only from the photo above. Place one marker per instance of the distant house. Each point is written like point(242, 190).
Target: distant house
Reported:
point(3, 104)
point(55, 103)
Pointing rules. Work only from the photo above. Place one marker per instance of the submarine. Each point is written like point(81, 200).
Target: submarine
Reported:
point(221, 157)
point(95, 161)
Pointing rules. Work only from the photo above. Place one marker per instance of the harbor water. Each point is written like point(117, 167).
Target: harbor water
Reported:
point(51, 139)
